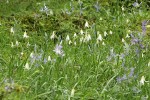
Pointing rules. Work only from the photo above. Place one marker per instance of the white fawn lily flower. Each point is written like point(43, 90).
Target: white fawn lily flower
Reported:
point(87, 38)
point(53, 36)
point(103, 43)
point(25, 35)
point(105, 34)
point(12, 44)
point(127, 36)
point(75, 43)
point(49, 58)
point(110, 32)
point(99, 38)
point(70, 42)
point(81, 32)
point(17, 43)
point(86, 24)
point(27, 66)
point(67, 38)
point(75, 35)
point(72, 92)
point(12, 30)
point(142, 81)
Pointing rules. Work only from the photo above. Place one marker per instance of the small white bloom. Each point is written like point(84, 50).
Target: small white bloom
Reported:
point(75, 43)
point(22, 53)
point(86, 24)
point(25, 35)
point(149, 64)
point(51, 12)
point(123, 40)
point(81, 32)
point(70, 42)
point(105, 34)
point(100, 18)
point(103, 43)
point(127, 36)
point(49, 58)
point(12, 44)
point(129, 31)
point(142, 80)
point(72, 92)
point(122, 8)
point(99, 38)
point(67, 38)
point(26, 66)
point(31, 55)
point(87, 38)
point(110, 32)
point(75, 35)
point(127, 20)
point(17, 43)
point(12, 30)
point(53, 36)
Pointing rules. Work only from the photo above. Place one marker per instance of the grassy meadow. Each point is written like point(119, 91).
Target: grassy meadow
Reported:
point(74, 50)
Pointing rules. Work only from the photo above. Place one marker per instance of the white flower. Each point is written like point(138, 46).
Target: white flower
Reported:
point(26, 66)
point(53, 36)
point(49, 58)
point(31, 55)
point(127, 36)
point(12, 30)
point(127, 20)
point(105, 34)
point(142, 80)
point(86, 24)
point(110, 32)
point(25, 35)
point(87, 38)
point(99, 38)
point(70, 42)
point(72, 92)
point(22, 53)
point(12, 44)
point(149, 64)
point(75, 43)
point(123, 40)
point(75, 35)
point(17, 43)
point(67, 38)
point(103, 43)
point(81, 32)
point(122, 8)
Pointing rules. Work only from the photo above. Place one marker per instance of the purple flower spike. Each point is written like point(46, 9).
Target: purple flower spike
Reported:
point(144, 23)
point(131, 72)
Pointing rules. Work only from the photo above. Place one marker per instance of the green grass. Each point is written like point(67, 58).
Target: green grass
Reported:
point(83, 69)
